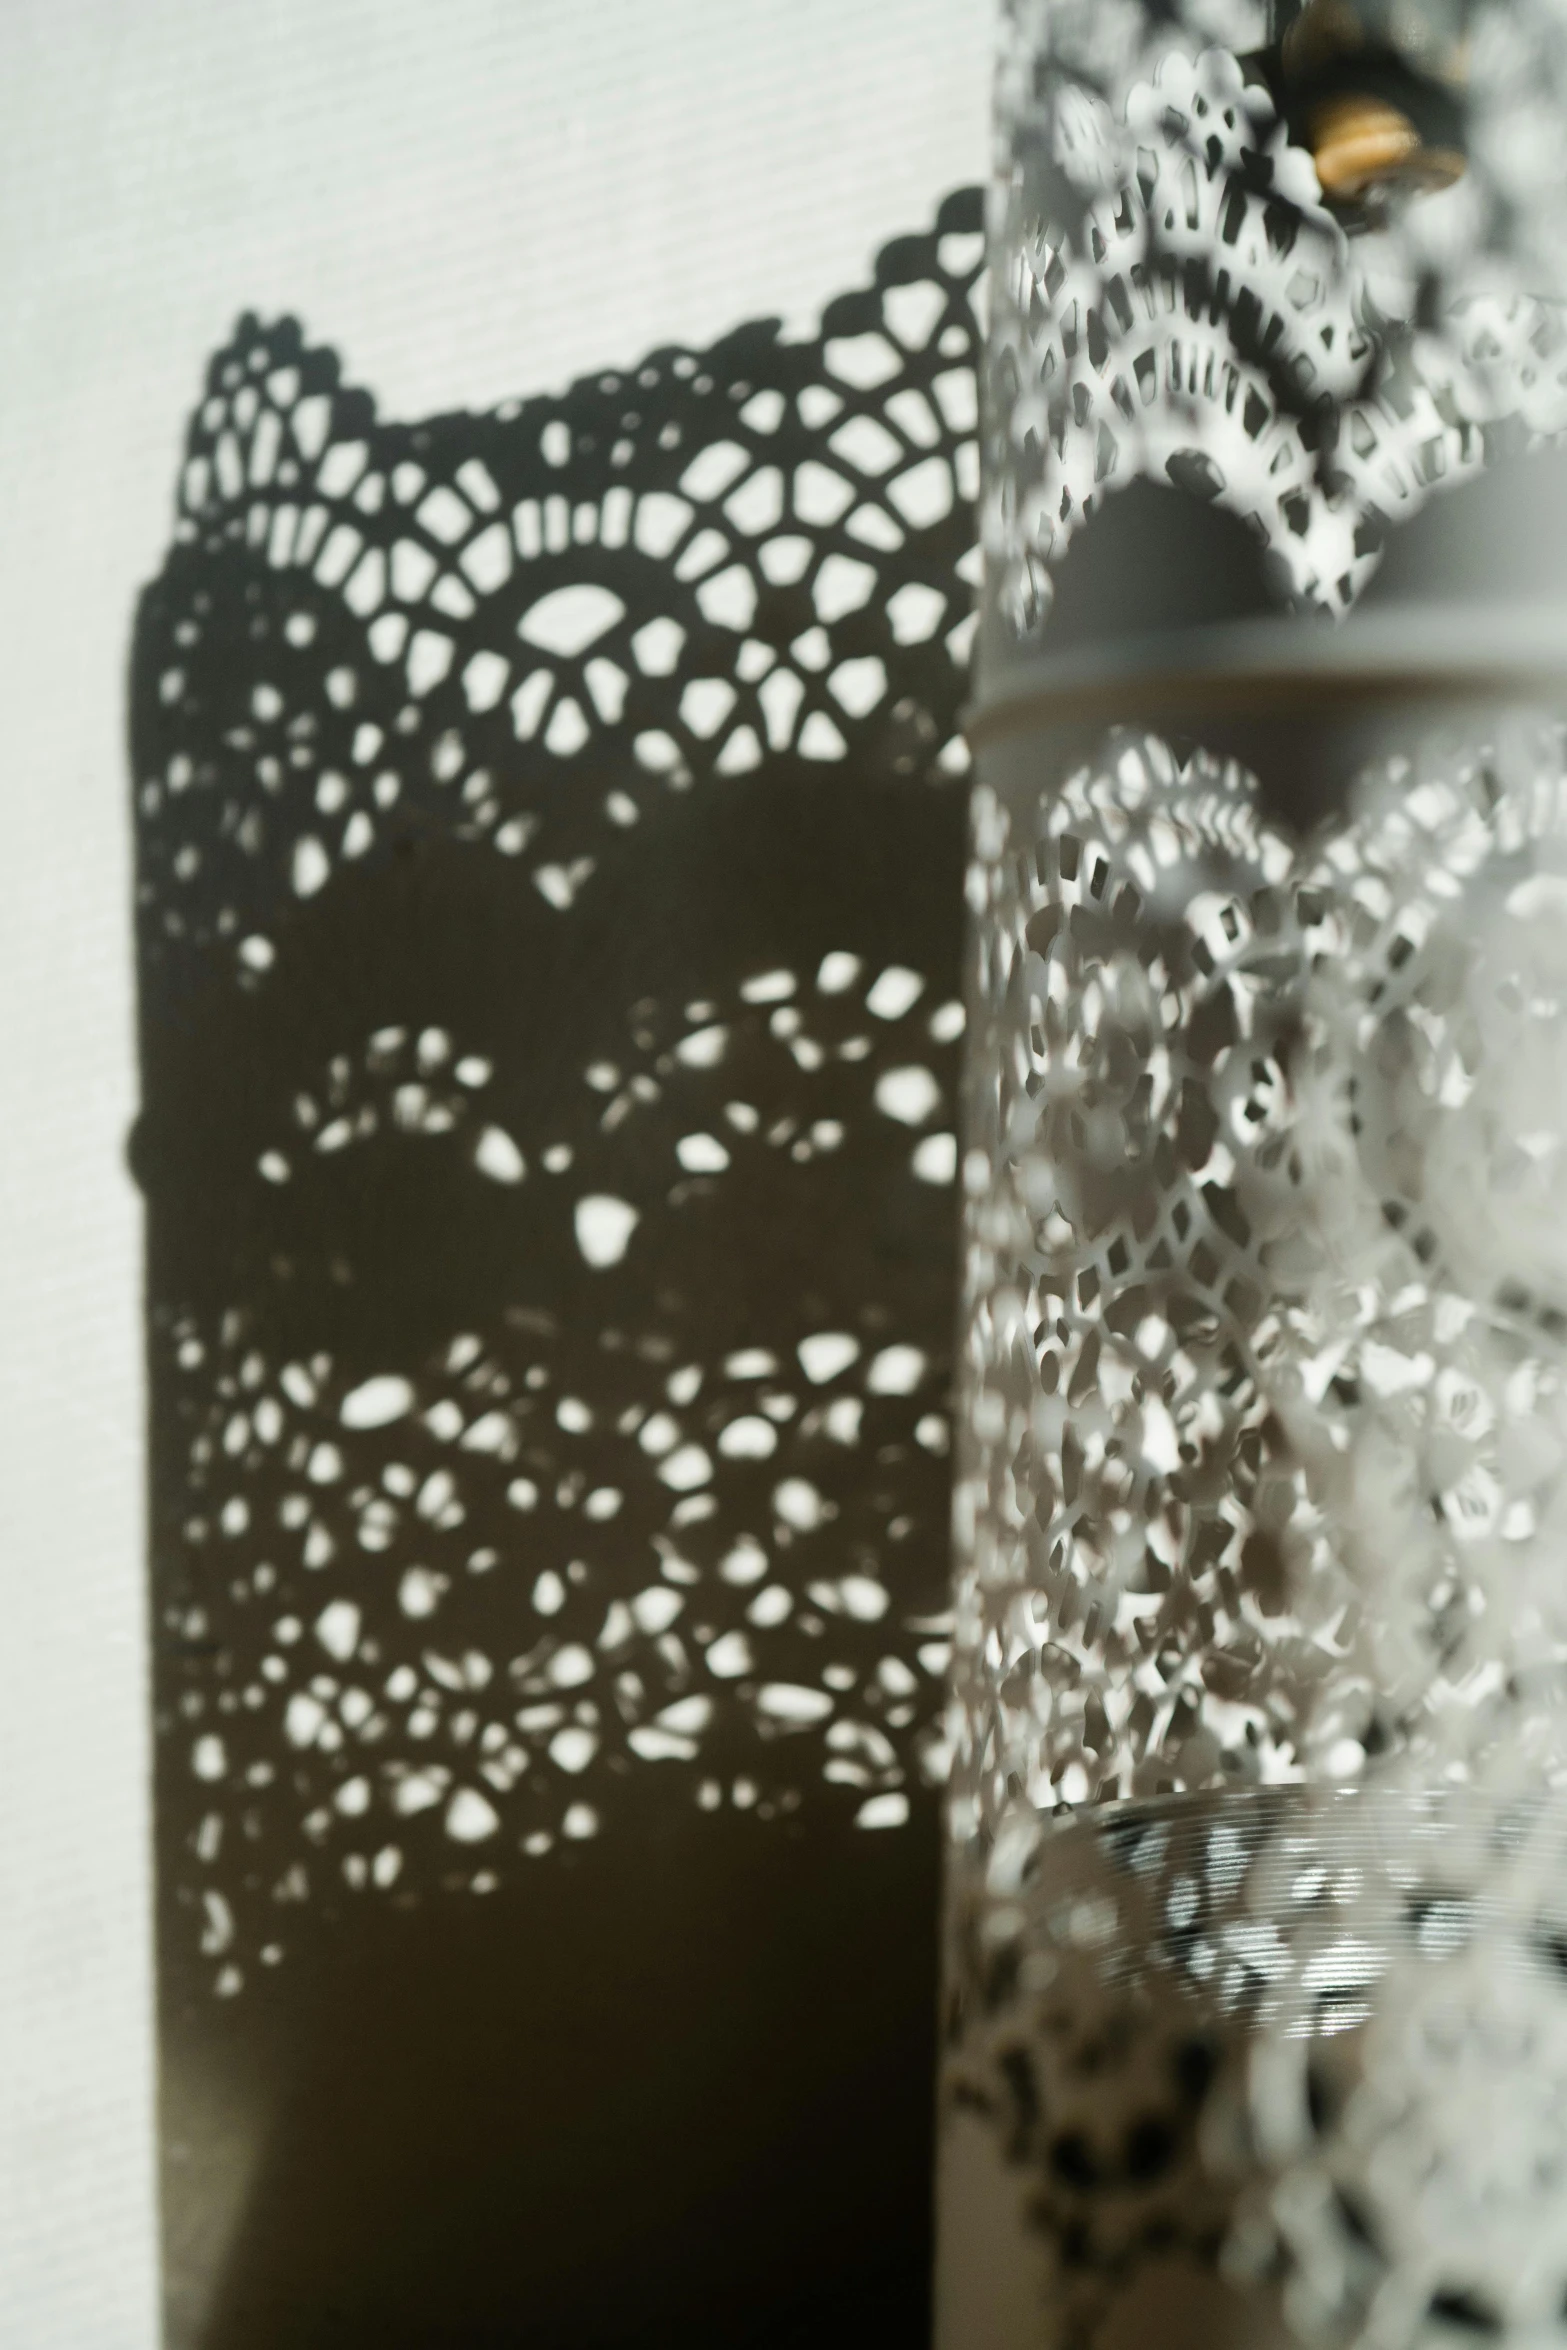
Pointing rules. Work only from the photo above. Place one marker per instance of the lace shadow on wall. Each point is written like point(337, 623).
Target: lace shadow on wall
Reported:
point(549, 841)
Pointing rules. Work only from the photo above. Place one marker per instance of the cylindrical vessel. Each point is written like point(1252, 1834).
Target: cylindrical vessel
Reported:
point(1256, 2022)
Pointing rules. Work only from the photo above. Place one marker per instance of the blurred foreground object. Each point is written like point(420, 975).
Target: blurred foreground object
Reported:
point(1256, 2018)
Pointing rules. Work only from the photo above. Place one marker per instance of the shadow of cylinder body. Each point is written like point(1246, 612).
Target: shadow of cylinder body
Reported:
point(549, 936)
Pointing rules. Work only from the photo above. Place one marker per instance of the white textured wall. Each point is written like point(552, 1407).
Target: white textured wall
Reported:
point(469, 198)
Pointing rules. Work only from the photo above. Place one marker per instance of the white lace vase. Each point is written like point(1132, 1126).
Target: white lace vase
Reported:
point(1257, 1961)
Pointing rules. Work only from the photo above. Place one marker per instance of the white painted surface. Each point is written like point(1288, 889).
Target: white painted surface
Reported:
point(468, 199)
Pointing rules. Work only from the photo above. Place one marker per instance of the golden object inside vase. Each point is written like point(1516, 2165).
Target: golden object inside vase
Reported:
point(1362, 146)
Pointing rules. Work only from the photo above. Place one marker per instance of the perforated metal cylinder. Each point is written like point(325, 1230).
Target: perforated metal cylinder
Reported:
point(1256, 2015)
